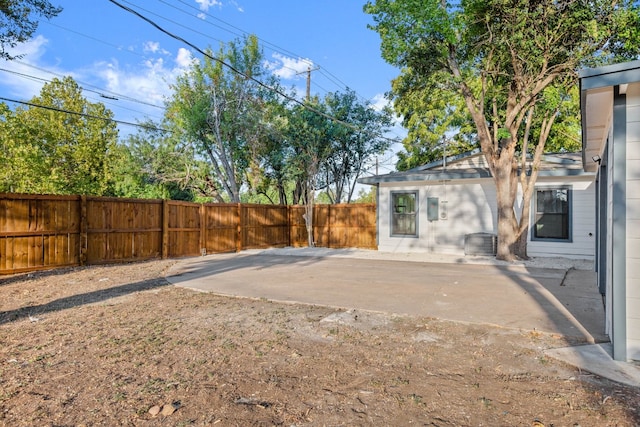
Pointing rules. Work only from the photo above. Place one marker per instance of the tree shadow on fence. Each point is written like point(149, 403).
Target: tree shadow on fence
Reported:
point(81, 299)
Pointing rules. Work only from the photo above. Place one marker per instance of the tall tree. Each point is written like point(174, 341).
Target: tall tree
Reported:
point(218, 110)
point(275, 153)
point(60, 144)
point(149, 165)
point(437, 121)
point(524, 54)
point(307, 135)
point(19, 20)
point(355, 137)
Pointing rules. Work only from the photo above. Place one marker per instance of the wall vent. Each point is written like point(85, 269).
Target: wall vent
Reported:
point(480, 244)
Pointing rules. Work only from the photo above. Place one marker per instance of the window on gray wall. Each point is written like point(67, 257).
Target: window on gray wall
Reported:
point(404, 213)
point(552, 214)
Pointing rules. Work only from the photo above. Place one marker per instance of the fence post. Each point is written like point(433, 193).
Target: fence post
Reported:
point(203, 230)
point(288, 225)
point(165, 229)
point(239, 228)
point(84, 238)
point(329, 225)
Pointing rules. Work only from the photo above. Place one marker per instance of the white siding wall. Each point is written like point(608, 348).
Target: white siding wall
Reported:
point(633, 222)
point(471, 208)
point(583, 222)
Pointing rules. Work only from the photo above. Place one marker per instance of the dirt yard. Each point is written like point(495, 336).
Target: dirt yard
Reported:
point(117, 345)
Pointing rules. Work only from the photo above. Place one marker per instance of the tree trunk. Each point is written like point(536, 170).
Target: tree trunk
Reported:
point(520, 246)
point(506, 220)
point(308, 214)
point(505, 177)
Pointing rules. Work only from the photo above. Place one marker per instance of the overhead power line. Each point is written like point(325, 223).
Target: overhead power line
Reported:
point(240, 73)
point(102, 93)
point(84, 84)
point(236, 31)
point(89, 116)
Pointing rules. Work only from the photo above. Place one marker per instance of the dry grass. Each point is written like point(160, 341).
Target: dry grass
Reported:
point(116, 345)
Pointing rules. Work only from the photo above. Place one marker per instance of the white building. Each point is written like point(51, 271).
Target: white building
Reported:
point(450, 207)
point(610, 104)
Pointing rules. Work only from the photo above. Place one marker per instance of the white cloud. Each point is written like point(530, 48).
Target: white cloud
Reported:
point(238, 7)
point(288, 68)
point(206, 4)
point(150, 81)
point(16, 81)
point(379, 101)
point(183, 58)
point(153, 47)
point(397, 131)
point(33, 49)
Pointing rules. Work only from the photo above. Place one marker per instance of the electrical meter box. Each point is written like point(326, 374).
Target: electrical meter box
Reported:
point(433, 205)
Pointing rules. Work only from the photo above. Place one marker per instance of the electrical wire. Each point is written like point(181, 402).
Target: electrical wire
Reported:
point(100, 93)
point(275, 48)
point(84, 84)
point(217, 26)
point(238, 72)
point(327, 74)
point(104, 98)
point(89, 116)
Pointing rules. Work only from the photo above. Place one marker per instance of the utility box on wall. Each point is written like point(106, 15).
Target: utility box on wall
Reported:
point(433, 205)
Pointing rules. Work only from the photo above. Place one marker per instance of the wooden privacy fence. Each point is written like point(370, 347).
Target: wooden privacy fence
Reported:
point(42, 232)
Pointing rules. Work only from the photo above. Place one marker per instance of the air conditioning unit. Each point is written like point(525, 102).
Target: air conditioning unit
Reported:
point(480, 244)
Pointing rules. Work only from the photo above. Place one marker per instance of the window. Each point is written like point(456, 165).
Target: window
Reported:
point(403, 214)
point(552, 214)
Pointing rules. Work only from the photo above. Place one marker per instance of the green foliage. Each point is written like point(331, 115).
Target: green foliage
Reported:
point(219, 113)
point(513, 63)
point(352, 142)
point(307, 133)
point(435, 116)
point(57, 152)
point(366, 196)
point(18, 21)
point(148, 166)
point(494, 59)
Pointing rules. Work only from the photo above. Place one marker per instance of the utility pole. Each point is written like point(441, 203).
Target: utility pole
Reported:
point(309, 70)
point(310, 190)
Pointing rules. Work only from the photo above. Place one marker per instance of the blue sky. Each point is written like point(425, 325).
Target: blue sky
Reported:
point(112, 52)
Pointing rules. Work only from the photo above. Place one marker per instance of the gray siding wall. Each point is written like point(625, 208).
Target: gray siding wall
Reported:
point(633, 222)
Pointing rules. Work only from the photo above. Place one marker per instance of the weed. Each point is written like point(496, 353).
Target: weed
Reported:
point(486, 402)
point(417, 399)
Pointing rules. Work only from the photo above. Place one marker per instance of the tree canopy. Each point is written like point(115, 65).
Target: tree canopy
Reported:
point(58, 145)
point(513, 63)
point(218, 110)
point(19, 20)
